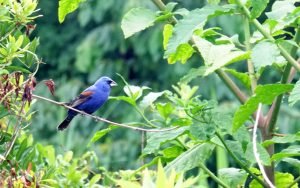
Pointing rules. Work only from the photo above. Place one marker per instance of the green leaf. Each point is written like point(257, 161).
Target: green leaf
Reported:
point(155, 139)
point(290, 138)
point(192, 74)
point(281, 181)
point(291, 151)
point(134, 92)
point(182, 54)
point(124, 98)
point(137, 19)
point(185, 27)
point(150, 98)
point(281, 9)
point(94, 180)
point(242, 77)
point(172, 152)
point(233, 177)
point(266, 53)
point(263, 94)
point(99, 134)
point(165, 109)
point(263, 154)
point(295, 94)
point(167, 33)
point(191, 158)
point(218, 56)
point(258, 6)
point(293, 162)
point(201, 131)
point(161, 179)
point(237, 149)
point(66, 7)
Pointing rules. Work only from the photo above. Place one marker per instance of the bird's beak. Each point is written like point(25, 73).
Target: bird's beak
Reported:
point(113, 83)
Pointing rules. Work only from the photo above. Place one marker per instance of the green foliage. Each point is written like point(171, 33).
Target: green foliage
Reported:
point(66, 7)
point(263, 94)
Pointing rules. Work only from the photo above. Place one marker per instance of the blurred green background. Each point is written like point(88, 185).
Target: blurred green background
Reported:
point(90, 44)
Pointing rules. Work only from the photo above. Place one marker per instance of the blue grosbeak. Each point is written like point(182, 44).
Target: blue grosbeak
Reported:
point(90, 100)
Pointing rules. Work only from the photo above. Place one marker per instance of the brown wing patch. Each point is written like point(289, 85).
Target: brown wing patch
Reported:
point(81, 98)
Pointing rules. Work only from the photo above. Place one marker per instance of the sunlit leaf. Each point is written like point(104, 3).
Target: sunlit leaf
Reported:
point(291, 151)
point(137, 19)
point(258, 6)
point(99, 134)
point(266, 53)
point(218, 56)
point(182, 54)
point(290, 138)
point(66, 7)
point(242, 77)
point(150, 98)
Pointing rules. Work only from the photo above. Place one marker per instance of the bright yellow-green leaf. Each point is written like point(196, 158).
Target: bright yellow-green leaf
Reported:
point(66, 7)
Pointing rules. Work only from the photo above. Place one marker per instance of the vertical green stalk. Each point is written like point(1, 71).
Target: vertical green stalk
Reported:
point(248, 48)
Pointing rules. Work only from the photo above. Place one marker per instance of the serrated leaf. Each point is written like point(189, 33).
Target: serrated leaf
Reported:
point(185, 27)
point(242, 77)
point(233, 177)
point(295, 94)
point(258, 6)
point(218, 56)
point(191, 158)
point(263, 154)
point(263, 94)
point(150, 98)
point(66, 7)
point(266, 53)
point(182, 54)
point(291, 151)
point(155, 139)
point(137, 19)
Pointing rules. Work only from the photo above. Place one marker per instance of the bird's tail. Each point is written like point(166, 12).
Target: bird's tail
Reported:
point(65, 123)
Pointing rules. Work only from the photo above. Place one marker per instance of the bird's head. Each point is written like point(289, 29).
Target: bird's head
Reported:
point(105, 82)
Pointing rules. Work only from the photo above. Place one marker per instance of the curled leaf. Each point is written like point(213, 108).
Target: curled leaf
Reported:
point(51, 85)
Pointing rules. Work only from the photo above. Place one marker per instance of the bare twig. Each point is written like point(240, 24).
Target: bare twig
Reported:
point(97, 118)
point(255, 152)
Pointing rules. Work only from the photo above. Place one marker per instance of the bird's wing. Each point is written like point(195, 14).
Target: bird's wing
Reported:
point(84, 96)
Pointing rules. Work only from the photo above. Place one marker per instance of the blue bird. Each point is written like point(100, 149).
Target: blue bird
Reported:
point(90, 100)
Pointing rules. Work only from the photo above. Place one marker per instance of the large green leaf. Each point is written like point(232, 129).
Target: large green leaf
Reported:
point(218, 56)
point(233, 177)
point(258, 6)
point(182, 54)
point(185, 28)
point(191, 158)
point(295, 94)
point(291, 151)
point(155, 139)
point(137, 19)
point(266, 53)
point(263, 94)
point(66, 7)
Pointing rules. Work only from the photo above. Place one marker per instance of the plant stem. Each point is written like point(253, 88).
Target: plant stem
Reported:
point(224, 77)
point(248, 48)
point(260, 28)
point(215, 178)
point(273, 113)
point(243, 166)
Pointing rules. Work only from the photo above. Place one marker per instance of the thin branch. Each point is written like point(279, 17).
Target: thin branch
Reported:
point(215, 178)
point(97, 118)
point(248, 48)
point(255, 151)
point(239, 162)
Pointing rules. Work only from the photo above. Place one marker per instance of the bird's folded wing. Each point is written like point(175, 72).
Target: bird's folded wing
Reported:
point(84, 96)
